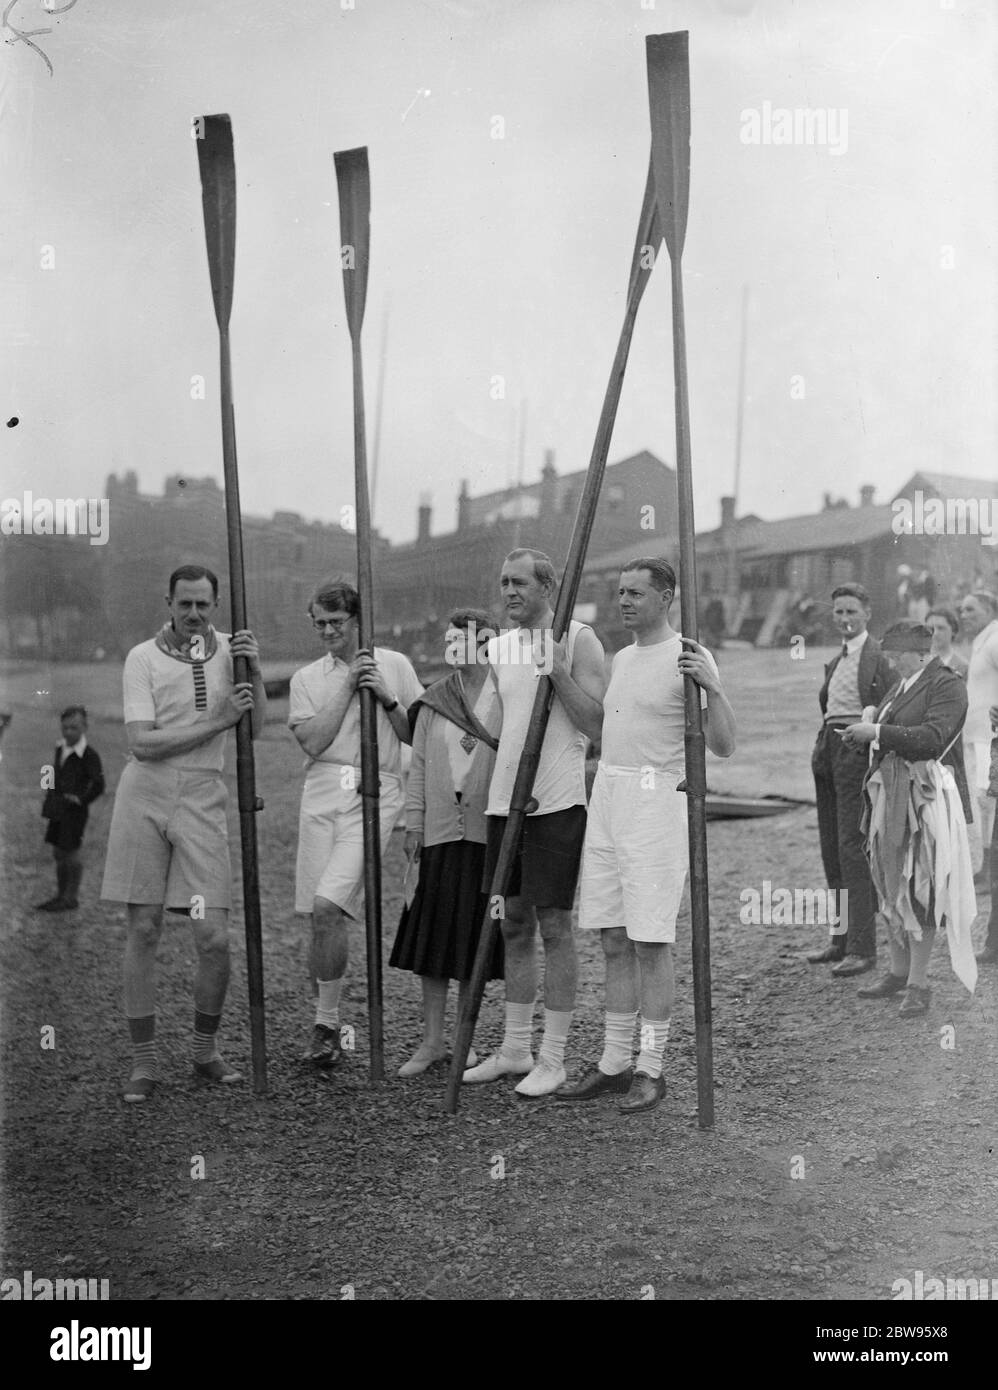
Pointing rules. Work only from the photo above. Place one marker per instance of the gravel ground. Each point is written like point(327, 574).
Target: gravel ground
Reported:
point(851, 1148)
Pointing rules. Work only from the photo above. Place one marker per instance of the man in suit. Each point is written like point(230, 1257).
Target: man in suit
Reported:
point(78, 780)
point(920, 719)
point(859, 676)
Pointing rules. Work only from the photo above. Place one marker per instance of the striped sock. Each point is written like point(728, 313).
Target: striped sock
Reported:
point(205, 1036)
point(654, 1036)
point(618, 1041)
point(142, 1033)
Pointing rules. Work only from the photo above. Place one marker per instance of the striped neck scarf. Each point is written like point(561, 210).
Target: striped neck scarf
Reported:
point(169, 642)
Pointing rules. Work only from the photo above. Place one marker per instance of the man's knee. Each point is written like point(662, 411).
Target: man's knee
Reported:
point(555, 925)
point(617, 945)
point(653, 955)
point(327, 915)
point(211, 935)
point(145, 922)
point(518, 922)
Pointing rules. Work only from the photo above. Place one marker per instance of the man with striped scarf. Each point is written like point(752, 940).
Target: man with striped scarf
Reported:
point(168, 846)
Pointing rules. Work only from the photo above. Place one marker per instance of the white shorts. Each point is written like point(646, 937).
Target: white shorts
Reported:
point(331, 836)
point(636, 854)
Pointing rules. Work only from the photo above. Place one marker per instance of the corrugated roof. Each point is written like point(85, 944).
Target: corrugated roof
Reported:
point(826, 530)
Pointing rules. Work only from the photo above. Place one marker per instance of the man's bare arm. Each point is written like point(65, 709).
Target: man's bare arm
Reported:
point(582, 688)
point(147, 744)
point(720, 728)
point(316, 734)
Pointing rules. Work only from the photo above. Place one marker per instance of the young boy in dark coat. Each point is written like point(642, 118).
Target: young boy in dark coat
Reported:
point(79, 780)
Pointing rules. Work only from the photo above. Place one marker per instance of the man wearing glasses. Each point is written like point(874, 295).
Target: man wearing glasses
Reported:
point(324, 717)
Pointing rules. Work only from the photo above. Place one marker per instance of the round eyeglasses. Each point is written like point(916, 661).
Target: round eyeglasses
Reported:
point(337, 624)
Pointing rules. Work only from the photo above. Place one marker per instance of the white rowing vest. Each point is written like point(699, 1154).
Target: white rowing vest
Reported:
point(561, 773)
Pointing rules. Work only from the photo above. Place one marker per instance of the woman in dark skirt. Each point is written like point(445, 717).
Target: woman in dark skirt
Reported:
point(455, 723)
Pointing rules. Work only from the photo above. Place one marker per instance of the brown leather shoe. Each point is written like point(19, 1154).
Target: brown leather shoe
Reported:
point(883, 989)
point(915, 1001)
point(853, 965)
point(645, 1093)
point(830, 953)
point(597, 1083)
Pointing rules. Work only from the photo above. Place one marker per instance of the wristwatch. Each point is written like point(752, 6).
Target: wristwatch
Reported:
point(394, 705)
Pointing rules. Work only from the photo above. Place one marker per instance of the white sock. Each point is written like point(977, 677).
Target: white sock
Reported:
point(654, 1036)
point(556, 1026)
point(618, 1042)
point(327, 1008)
point(519, 1031)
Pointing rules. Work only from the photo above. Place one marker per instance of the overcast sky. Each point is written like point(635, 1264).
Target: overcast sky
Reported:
point(497, 257)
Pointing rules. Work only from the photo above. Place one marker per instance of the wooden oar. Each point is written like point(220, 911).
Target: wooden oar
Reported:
point(354, 183)
point(669, 99)
point(218, 198)
point(646, 247)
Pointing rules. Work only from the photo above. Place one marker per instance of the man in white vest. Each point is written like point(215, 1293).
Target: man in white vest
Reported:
point(637, 846)
point(541, 892)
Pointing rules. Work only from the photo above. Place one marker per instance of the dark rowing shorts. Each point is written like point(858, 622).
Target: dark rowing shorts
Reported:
point(546, 864)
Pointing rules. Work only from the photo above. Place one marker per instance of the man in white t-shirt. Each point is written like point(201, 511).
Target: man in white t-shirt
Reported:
point(542, 887)
point(168, 847)
point(324, 716)
point(637, 850)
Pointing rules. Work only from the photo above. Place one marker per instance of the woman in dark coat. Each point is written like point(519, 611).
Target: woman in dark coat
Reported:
point(917, 808)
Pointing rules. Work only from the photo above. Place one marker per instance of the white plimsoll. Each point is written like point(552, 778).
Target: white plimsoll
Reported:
point(545, 1078)
point(499, 1065)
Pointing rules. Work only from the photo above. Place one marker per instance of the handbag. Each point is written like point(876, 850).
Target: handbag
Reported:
point(54, 805)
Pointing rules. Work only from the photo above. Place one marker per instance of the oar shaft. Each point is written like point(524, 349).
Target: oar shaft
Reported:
point(245, 765)
point(369, 762)
point(694, 743)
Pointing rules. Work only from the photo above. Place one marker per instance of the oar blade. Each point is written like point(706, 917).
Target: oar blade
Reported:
point(217, 166)
point(353, 180)
point(669, 101)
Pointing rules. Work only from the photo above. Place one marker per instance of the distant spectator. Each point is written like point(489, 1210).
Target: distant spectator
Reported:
point(859, 675)
point(945, 627)
point(989, 955)
point(903, 590)
point(979, 615)
point(921, 596)
point(915, 818)
point(714, 624)
point(78, 781)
